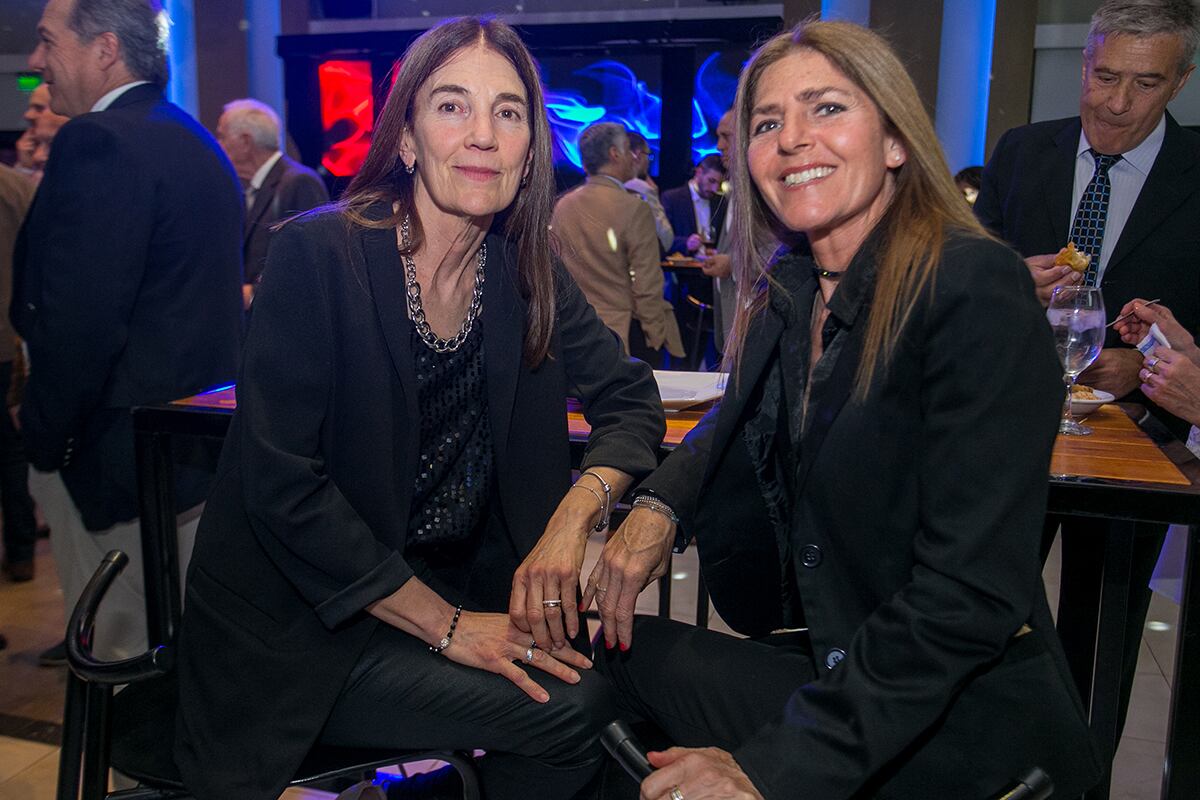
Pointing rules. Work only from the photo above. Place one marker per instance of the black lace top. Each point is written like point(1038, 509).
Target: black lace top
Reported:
point(454, 475)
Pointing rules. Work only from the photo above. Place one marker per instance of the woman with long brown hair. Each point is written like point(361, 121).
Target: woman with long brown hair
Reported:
point(391, 551)
point(867, 499)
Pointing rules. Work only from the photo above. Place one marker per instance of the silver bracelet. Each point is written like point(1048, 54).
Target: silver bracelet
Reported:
point(595, 494)
point(654, 504)
point(606, 505)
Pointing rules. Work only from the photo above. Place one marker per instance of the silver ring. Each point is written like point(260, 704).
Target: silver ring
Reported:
point(675, 793)
point(552, 603)
point(1151, 363)
point(529, 654)
point(601, 588)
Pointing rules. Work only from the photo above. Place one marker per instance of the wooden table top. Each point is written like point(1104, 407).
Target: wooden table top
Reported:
point(1117, 450)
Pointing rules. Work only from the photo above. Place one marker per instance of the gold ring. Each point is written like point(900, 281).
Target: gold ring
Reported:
point(676, 794)
point(1151, 363)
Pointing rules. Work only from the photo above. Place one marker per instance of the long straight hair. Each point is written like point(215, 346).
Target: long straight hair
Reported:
point(527, 221)
point(924, 206)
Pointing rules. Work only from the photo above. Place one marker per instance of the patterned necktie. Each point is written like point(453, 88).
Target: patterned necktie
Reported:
point(1088, 230)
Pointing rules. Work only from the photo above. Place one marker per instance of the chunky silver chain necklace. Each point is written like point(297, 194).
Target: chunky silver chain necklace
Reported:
point(417, 313)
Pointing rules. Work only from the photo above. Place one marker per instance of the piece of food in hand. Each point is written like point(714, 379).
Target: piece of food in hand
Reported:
point(1070, 257)
point(1081, 392)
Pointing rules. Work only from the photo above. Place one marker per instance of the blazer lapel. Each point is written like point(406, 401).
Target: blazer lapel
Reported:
point(1058, 180)
point(1167, 186)
point(503, 336)
point(263, 198)
point(386, 274)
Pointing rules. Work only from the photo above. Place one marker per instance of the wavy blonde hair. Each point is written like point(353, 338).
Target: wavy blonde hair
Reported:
point(924, 206)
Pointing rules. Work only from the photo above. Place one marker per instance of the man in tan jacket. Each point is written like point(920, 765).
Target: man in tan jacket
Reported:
point(610, 247)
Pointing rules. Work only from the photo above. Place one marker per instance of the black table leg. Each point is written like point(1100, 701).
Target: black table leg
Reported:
point(1110, 648)
point(160, 550)
point(1181, 776)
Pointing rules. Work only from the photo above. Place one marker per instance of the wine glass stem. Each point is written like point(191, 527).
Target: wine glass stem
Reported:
point(1069, 380)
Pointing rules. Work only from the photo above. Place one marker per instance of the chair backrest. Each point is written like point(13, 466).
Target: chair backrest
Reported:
point(88, 716)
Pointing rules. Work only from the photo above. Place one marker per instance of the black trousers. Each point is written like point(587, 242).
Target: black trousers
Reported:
point(678, 678)
point(1079, 597)
point(400, 695)
point(20, 526)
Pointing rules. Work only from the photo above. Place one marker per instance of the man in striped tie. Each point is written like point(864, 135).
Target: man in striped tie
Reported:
point(1121, 181)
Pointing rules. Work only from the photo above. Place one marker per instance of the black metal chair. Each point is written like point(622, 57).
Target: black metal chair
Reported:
point(134, 732)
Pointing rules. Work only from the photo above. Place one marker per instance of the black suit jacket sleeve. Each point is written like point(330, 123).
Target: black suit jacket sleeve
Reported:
point(90, 272)
point(298, 513)
point(988, 208)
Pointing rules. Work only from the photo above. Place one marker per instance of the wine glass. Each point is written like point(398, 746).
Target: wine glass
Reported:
point(1076, 315)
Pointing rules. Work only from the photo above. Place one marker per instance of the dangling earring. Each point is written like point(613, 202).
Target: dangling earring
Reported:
point(410, 168)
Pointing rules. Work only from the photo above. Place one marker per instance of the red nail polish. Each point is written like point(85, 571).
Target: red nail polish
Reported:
point(624, 647)
point(582, 606)
point(608, 645)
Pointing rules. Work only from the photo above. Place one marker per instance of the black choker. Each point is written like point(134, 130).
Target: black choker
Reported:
point(828, 273)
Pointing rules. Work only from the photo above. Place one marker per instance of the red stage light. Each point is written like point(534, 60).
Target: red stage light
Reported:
point(347, 115)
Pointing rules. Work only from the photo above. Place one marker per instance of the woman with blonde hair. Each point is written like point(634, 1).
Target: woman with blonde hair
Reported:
point(867, 499)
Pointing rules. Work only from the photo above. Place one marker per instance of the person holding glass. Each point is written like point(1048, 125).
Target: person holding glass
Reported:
point(391, 551)
point(867, 498)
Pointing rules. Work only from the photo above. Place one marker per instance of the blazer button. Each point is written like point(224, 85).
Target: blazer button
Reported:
point(834, 657)
point(810, 555)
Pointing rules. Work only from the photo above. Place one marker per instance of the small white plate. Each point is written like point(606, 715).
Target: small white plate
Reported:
point(1081, 408)
point(680, 390)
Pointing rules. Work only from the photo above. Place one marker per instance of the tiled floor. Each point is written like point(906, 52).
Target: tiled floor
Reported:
point(31, 617)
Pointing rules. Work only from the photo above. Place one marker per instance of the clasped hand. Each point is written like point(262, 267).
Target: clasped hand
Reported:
point(706, 773)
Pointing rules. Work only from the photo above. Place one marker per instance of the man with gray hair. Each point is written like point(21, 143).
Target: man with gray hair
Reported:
point(276, 186)
point(609, 245)
point(127, 289)
point(1121, 181)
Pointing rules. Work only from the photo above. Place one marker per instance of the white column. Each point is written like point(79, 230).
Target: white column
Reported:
point(847, 10)
point(265, 78)
point(182, 88)
point(964, 79)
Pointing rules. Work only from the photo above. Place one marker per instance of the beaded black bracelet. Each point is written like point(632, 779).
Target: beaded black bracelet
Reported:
point(445, 642)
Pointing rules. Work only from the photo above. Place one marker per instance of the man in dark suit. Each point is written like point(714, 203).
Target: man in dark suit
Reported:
point(276, 186)
point(1127, 161)
point(126, 287)
point(694, 209)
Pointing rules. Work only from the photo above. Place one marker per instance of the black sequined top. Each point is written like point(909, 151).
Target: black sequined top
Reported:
point(454, 475)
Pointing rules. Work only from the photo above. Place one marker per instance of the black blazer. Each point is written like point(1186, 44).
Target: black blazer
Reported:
point(289, 188)
point(677, 204)
point(914, 538)
point(127, 289)
point(307, 521)
point(1026, 200)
